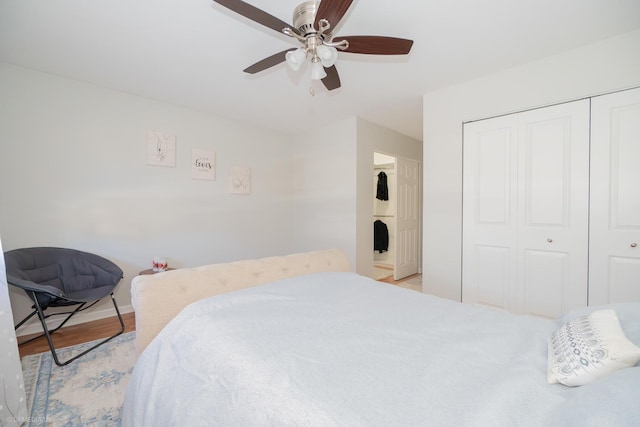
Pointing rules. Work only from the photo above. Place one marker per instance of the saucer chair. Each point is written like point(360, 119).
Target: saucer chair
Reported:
point(60, 277)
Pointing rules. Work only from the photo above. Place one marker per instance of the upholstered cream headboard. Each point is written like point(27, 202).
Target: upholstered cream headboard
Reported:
point(158, 298)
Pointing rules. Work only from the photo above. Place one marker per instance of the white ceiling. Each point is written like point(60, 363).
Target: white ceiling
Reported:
point(192, 52)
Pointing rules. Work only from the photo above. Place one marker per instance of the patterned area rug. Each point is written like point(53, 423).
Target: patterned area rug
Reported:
point(87, 392)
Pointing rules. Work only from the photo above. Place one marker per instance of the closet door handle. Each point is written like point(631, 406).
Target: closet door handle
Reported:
point(550, 240)
point(633, 245)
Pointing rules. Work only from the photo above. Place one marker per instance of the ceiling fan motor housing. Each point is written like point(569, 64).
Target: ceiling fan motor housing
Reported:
point(304, 16)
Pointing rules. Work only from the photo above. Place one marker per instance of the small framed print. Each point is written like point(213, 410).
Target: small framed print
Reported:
point(161, 148)
point(203, 164)
point(240, 180)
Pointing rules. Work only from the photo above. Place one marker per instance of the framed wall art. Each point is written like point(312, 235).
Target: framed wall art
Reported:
point(240, 180)
point(161, 148)
point(203, 164)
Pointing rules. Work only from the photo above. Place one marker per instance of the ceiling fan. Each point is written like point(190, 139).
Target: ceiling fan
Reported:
point(313, 23)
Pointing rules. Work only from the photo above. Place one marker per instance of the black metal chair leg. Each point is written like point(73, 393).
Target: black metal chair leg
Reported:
point(33, 313)
point(67, 319)
point(52, 347)
point(51, 331)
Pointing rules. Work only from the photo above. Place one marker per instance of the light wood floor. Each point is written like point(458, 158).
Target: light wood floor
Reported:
point(76, 334)
point(397, 282)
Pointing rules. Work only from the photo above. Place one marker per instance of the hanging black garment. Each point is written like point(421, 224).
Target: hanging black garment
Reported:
point(383, 190)
point(380, 236)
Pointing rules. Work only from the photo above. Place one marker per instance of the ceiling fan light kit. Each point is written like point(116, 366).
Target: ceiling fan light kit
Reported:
point(313, 22)
point(328, 55)
point(317, 70)
point(316, 42)
point(295, 58)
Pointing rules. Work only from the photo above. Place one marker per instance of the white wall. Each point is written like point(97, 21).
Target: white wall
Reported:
point(73, 167)
point(324, 188)
point(609, 65)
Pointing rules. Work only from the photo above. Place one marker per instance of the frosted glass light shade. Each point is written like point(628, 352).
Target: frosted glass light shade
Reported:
point(295, 58)
point(317, 71)
point(328, 55)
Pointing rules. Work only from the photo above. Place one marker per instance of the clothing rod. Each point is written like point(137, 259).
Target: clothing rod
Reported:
point(383, 216)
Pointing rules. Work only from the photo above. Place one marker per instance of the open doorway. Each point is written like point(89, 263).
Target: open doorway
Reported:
point(396, 217)
point(384, 196)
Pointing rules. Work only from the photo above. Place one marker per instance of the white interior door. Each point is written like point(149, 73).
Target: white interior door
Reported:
point(614, 259)
point(407, 222)
point(525, 210)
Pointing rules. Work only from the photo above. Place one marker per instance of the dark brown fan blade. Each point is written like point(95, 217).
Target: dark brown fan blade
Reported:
point(332, 11)
point(332, 81)
point(376, 45)
point(268, 62)
point(255, 14)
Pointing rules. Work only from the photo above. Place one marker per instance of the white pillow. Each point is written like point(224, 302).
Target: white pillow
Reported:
point(589, 347)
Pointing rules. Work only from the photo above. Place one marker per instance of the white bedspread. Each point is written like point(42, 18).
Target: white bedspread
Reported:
point(338, 349)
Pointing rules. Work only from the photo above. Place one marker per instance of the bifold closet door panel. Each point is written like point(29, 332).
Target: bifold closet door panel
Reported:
point(614, 261)
point(525, 210)
point(489, 213)
point(553, 209)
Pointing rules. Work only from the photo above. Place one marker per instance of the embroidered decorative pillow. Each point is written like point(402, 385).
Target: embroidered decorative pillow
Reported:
point(589, 347)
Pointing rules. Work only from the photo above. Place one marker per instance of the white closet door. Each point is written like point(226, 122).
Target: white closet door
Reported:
point(553, 209)
point(525, 210)
point(407, 223)
point(614, 261)
point(489, 212)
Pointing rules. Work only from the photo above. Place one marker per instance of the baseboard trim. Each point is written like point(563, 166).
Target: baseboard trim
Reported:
point(34, 326)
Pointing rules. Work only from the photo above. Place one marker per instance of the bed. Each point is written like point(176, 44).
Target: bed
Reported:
point(339, 349)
